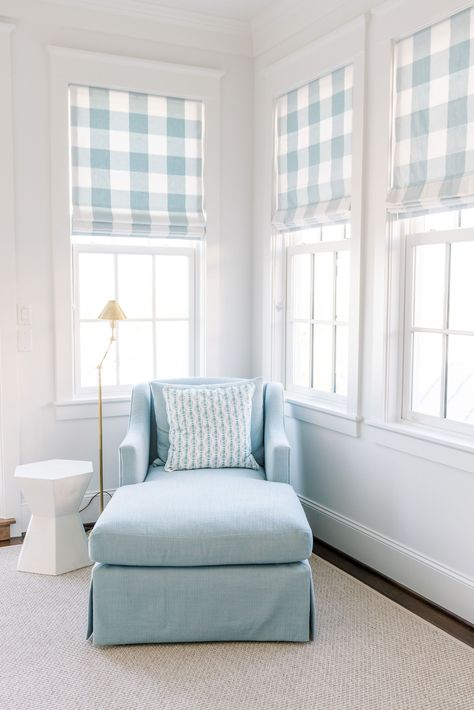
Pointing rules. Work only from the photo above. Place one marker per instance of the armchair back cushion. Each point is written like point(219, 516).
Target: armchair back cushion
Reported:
point(160, 428)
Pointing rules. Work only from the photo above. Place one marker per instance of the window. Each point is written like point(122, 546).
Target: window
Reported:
point(137, 217)
point(439, 320)
point(318, 267)
point(431, 201)
point(155, 286)
point(312, 221)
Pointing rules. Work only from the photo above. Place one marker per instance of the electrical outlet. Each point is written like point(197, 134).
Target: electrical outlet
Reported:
point(24, 339)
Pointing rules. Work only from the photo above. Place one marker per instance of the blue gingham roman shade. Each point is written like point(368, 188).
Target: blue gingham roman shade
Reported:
point(433, 158)
point(314, 152)
point(136, 164)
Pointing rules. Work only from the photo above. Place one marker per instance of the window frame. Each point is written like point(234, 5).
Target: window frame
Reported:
point(412, 239)
point(70, 66)
point(385, 410)
point(333, 247)
point(193, 252)
point(342, 47)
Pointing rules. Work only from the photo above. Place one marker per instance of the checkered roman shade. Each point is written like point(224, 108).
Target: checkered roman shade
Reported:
point(433, 161)
point(314, 152)
point(136, 164)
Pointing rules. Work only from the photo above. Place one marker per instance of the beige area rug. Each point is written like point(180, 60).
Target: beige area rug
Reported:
point(370, 654)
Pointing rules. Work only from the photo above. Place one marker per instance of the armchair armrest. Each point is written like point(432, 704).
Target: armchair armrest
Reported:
point(277, 447)
point(134, 451)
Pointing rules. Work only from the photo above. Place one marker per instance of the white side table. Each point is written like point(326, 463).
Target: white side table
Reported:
point(55, 541)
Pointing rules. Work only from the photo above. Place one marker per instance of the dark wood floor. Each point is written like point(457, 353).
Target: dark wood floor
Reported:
point(441, 618)
point(454, 626)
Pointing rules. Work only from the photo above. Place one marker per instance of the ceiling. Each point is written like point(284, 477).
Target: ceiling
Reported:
point(235, 9)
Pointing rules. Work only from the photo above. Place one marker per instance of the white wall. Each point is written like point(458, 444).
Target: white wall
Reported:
point(41, 435)
point(384, 498)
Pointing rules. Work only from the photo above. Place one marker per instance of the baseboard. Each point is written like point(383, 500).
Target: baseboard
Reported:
point(89, 515)
point(424, 575)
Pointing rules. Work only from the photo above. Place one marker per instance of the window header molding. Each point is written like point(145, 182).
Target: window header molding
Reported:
point(85, 55)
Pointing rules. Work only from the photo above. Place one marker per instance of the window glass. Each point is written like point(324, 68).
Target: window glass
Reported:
point(154, 293)
point(318, 311)
point(429, 285)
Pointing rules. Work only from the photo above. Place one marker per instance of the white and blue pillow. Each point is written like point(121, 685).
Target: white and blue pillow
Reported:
point(209, 427)
point(161, 417)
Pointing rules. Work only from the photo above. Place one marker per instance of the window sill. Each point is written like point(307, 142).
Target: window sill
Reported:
point(326, 416)
point(443, 448)
point(87, 408)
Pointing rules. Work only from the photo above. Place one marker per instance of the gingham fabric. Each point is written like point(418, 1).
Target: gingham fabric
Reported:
point(433, 162)
point(314, 152)
point(136, 164)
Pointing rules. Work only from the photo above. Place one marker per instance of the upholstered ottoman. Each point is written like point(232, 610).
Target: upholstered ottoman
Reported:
point(202, 555)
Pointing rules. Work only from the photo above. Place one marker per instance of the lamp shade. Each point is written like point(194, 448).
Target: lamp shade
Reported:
point(112, 311)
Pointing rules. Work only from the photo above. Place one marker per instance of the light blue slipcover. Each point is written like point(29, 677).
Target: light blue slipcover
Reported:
point(204, 555)
point(174, 604)
point(202, 517)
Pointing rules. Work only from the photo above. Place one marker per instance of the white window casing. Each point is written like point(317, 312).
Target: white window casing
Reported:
point(129, 74)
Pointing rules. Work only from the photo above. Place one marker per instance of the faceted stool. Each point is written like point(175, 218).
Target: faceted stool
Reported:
point(55, 541)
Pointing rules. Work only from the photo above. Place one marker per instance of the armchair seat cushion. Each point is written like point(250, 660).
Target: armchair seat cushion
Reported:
point(201, 518)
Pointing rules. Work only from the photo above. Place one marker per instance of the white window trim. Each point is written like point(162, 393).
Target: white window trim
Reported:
point(384, 411)
point(69, 66)
point(340, 48)
point(196, 340)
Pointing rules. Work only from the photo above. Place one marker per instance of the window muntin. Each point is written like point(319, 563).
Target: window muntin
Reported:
point(318, 288)
point(156, 287)
point(438, 383)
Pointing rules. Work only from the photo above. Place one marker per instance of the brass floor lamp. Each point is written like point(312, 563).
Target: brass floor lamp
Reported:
point(111, 312)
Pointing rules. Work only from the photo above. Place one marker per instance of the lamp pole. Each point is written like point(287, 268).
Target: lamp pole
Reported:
point(111, 312)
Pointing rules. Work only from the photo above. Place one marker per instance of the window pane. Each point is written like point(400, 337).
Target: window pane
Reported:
point(426, 386)
point(306, 236)
point(96, 283)
point(322, 358)
point(441, 220)
point(467, 217)
point(460, 392)
point(172, 349)
point(429, 285)
point(135, 343)
point(301, 374)
point(461, 295)
point(94, 340)
point(342, 285)
point(342, 360)
point(172, 286)
point(302, 286)
point(134, 284)
point(332, 232)
point(324, 286)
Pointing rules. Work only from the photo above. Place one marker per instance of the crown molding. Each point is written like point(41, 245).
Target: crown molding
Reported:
point(150, 10)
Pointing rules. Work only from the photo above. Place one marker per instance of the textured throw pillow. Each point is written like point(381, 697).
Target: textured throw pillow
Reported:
point(163, 427)
point(209, 427)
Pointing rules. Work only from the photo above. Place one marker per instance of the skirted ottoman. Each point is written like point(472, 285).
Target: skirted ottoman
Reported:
point(202, 555)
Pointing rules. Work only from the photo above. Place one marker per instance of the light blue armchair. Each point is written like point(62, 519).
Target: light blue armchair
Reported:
point(202, 555)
